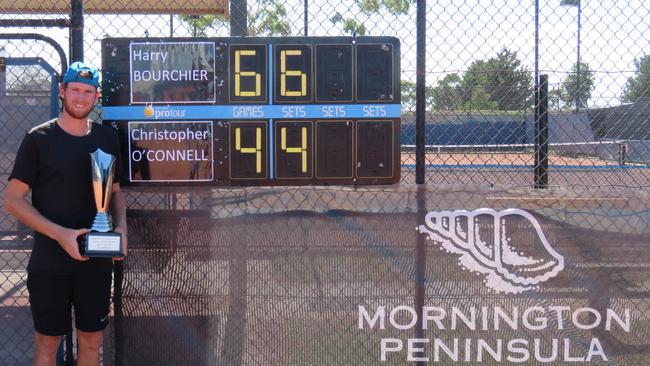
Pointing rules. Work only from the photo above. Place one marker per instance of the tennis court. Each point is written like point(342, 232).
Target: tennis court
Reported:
point(568, 154)
point(602, 164)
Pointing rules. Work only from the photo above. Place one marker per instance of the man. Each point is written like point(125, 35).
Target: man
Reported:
point(53, 162)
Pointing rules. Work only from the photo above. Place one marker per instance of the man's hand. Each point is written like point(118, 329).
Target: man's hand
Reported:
point(125, 242)
point(67, 239)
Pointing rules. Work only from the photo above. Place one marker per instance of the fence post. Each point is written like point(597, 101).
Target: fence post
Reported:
point(3, 85)
point(76, 54)
point(235, 327)
point(238, 18)
point(76, 30)
point(306, 17)
point(420, 141)
point(420, 105)
point(541, 134)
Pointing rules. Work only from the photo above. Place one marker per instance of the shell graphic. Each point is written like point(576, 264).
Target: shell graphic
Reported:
point(508, 246)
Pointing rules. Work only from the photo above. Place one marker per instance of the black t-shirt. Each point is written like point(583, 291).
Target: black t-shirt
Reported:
point(56, 166)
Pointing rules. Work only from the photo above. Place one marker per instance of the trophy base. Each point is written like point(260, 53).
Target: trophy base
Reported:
point(101, 245)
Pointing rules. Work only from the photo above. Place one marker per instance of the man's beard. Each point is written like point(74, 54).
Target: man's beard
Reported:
point(75, 113)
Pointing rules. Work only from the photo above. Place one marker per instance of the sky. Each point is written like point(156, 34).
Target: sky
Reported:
point(613, 34)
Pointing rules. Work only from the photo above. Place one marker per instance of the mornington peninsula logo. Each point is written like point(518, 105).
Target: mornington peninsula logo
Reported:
point(507, 246)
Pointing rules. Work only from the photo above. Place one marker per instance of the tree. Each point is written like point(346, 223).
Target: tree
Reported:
point(267, 19)
point(503, 78)
point(353, 26)
point(573, 89)
point(498, 83)
point(638, 86)
point(479, 98)
point(409, 96)
point(554, 98)
point(448, 94)
point(200, 24)
point(350, 25)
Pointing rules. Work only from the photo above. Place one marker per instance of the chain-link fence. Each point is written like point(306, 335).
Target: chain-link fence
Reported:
point(248, 276)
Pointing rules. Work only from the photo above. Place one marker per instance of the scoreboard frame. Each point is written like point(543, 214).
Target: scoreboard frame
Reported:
point(279, 111)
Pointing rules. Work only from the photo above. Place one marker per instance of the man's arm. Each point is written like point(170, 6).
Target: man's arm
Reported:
point(17, 205)
point(118, 211)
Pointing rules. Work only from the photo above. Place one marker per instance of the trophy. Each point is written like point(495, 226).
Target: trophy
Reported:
point(101, 241)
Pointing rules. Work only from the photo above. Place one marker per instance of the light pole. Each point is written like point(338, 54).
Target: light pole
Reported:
point(579, 5)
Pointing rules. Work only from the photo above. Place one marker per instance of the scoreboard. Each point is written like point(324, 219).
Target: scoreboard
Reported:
point(254, 110)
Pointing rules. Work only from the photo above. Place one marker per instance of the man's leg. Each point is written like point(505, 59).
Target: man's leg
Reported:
point(88, 351)
point(45, 349)
point(92, 296)
point(49, 298)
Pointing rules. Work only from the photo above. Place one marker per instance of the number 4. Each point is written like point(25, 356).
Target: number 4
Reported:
point(257, 150)
point(296, 150)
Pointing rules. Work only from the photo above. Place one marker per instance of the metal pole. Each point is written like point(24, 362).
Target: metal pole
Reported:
point(420, 141)
point(238, 18)
point(541, 135)
point(57, 47)
point(235, 324)
point(536, 47)
point(420, 265)
point(578, 60)
point(76, 54)
point(306, 11)
point(536, 91)
point(420, 97)
point(60, 23)
point(76, 30)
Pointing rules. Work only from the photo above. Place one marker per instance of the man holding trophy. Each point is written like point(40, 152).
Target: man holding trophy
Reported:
point(78, 213)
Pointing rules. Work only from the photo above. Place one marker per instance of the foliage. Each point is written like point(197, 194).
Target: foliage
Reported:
point(394, 6)
point(200, 24)
point(448, 94)
point(267, 19)
point(353, 26)
point(502, 79)
point(350, 25)
point(479, 99)
point(577, 88)
point(498, 83)
point(409, 96)
point(555, 99)
point(638, 86)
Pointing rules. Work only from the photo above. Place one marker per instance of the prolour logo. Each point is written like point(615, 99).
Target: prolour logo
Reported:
point(148, 110)
point(508, 246)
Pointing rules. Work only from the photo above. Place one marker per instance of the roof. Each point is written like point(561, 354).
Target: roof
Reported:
point(189, 7)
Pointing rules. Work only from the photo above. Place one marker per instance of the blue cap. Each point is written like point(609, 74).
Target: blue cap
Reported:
point(82, 73)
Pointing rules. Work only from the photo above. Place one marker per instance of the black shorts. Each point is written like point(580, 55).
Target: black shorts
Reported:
point(51, 298)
